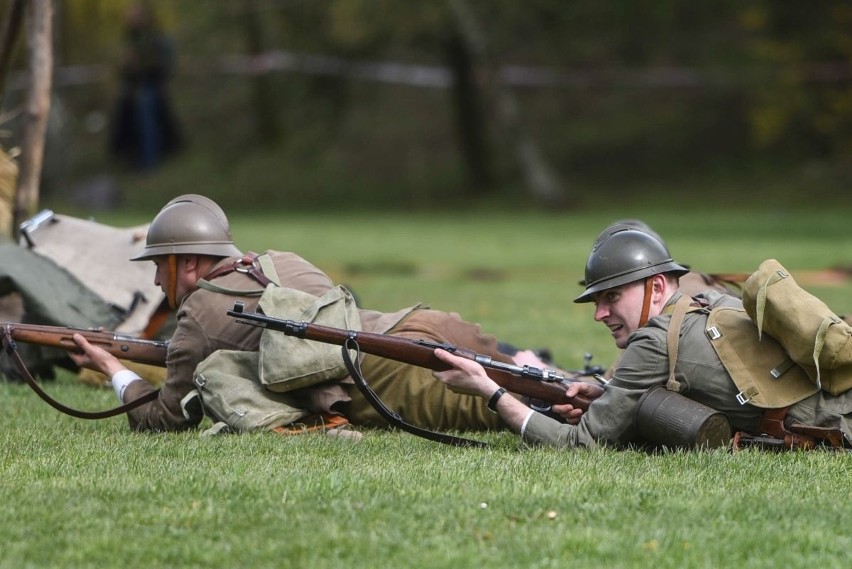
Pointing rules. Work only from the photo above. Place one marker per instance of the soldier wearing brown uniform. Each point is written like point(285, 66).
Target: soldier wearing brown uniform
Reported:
point(190, 240)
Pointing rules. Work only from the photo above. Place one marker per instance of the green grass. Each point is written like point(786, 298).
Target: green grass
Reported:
point(93, 494)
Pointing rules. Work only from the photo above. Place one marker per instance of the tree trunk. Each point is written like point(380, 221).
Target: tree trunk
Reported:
point(470, 115)
point(39, 23)
point(542, 181)
point(8, 40)
point(8, 167)
point(263, 104)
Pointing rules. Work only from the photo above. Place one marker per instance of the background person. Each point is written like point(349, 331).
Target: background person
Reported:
point(144, 129)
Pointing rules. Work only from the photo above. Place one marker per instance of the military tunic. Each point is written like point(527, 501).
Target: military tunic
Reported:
point(644, 364)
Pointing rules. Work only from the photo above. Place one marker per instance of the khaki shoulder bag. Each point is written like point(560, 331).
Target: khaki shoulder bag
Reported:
point(814, 337)
point(289, 362)
point(760, 368)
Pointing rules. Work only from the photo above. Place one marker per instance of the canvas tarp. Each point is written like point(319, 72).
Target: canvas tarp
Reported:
point(73, 272)
point(98, 256)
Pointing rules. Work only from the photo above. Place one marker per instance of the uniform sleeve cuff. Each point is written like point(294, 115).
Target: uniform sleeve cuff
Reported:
point(524, 424)
point(120, 380)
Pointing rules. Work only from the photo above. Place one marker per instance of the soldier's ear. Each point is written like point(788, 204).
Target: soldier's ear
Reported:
point(188, 262)
point(661, 288)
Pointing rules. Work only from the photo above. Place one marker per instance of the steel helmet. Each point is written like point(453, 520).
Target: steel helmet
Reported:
point(621, 225)
point(189, 224)
point(634, 224)
point(623, 254)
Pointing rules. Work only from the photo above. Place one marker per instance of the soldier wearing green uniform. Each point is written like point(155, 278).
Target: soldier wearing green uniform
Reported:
point(190, 241)
point(634, 284)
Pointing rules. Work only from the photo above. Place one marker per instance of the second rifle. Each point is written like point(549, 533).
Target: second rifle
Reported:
point(529, 381)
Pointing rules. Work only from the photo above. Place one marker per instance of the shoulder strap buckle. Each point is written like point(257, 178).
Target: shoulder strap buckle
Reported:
point(747, 395)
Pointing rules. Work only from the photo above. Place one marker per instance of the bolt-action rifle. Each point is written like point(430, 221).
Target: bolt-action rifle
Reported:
point(152, 352)
point(542, 384)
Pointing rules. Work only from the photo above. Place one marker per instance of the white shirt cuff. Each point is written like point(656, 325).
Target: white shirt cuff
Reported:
point(526, 420)
point(121, 379)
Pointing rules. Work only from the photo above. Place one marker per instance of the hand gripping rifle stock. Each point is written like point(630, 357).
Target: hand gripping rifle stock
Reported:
point(125, 347)
point(150, 352)
point(545, 385)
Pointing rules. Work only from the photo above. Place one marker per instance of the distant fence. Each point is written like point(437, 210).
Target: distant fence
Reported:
point(439, 77)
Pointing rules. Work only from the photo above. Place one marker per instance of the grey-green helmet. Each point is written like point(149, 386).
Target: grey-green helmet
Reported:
point(189, 224)
point(623, 254)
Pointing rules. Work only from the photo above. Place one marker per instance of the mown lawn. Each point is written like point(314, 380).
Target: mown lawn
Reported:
point(93, 494)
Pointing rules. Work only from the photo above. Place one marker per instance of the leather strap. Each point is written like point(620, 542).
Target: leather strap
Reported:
point(646, 301)
point(772, 422)
point(247, 264)
point(743, 440)
point(831, 435)
point(681, 307)
point(320, 422)
point(12, 350)
point(157, 320)
point(172, 292)
point(388, 415)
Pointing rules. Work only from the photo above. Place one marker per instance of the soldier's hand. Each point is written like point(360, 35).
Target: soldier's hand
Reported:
point(467, 376)
point(568, 412)
point(529, 358)
point(94, 357)
point(585, 389)
point(573, 414)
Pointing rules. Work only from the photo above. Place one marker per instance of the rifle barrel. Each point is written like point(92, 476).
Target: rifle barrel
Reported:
point(521, 380)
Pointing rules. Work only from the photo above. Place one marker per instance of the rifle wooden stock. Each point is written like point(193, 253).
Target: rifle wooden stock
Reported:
point(523, 380)
point(138, 350)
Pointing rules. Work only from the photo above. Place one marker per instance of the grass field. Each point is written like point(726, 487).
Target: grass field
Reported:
point(93, 494)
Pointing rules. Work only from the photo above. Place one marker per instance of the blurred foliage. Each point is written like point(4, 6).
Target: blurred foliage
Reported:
point(663, 93)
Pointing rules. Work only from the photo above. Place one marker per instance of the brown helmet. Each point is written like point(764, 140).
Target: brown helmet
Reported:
point(624, 254)
point(189, 224)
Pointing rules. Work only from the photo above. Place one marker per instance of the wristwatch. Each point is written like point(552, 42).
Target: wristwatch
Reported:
point(492, 403)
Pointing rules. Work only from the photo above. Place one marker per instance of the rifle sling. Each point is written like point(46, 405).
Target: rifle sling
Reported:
point(12, 350)
point(391, 416)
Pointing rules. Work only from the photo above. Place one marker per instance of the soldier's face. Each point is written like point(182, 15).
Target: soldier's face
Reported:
point(175, 281)
point(620, 309)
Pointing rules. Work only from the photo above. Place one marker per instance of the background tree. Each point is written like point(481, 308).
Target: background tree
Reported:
point(11, 29)
point(607, 99)
point(36, 17)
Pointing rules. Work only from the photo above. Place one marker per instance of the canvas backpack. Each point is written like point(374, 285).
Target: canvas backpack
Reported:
point(247, 391)
point(815, 338)
point(233, 397)
point(760, 368)
point(287, 362)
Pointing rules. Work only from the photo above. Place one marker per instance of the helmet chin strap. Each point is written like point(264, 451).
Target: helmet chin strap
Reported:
point(172, 295)
point(646, 303)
